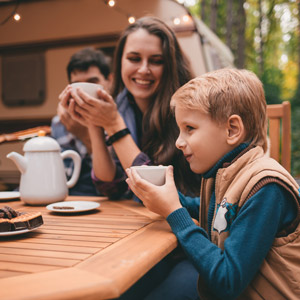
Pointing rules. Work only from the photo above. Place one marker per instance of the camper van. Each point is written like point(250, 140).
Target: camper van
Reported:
point(35, 50)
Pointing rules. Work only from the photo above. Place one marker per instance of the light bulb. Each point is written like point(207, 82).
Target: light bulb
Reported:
point(176, 21)
point(17, 17)
point(111, 3)
point(131, 19)
point(186, 18)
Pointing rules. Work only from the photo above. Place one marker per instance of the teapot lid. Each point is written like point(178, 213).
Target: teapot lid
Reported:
point(41, 143)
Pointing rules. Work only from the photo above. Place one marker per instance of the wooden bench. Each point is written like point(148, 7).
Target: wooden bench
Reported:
point(279, 118)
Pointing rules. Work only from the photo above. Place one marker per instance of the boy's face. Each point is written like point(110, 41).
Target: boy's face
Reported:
point(202, 141)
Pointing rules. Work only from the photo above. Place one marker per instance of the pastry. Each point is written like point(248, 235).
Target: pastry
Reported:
point(11, 220)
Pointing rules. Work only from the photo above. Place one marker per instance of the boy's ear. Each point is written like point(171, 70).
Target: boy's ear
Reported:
point(235, 130)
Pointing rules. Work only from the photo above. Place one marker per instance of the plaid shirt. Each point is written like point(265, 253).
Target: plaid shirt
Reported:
point(68, 141)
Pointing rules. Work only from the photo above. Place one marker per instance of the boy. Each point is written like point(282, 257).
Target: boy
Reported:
point(86, 65)
point(248, 243)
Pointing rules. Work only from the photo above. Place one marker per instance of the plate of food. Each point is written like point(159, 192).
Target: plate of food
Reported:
point(72, 206)
point(9, 233)
point(9, 195)
point(14, 222)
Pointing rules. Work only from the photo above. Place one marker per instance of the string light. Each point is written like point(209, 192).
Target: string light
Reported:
point(176, 21)
point(17, 17)
point(13, 15)
point(131, 19)
point(184, 20)
point(112, 4)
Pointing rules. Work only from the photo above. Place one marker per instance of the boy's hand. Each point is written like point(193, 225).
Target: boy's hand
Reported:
point(162, 200)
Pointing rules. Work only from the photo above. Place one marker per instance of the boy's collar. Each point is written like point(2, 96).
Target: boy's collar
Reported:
point(226, 160)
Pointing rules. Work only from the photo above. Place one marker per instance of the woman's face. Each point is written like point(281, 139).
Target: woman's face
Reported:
point(142, 66)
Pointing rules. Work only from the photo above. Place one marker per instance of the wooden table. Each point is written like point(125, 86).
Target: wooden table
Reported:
point(91, 255)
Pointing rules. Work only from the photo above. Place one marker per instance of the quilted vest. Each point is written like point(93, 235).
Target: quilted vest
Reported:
point(279, 274)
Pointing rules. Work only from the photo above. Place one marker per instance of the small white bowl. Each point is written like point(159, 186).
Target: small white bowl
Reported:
point(88, 87)
point(154, 174)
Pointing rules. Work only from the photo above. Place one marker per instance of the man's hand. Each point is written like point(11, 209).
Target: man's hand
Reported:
point(80, 131)
point(162, 200)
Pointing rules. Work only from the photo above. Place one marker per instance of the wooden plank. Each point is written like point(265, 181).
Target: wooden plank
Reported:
point(38, 260)
point(274, 134)
point(119, 219)
point(84, 233)
point(78, 238)
point(108, 225)
point(89, 227)
point(49, 241)
point(5, 273)
point(24, 267)
point(36, 246)
point(274, 110)
point(138, 209)
point(43, 253)
point(286, 136)
point(279, 116)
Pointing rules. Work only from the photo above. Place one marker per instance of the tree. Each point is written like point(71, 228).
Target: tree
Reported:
point(296, 98)
point(241, 17)
point(229, 23)
point(213, 15)
point(203, 11)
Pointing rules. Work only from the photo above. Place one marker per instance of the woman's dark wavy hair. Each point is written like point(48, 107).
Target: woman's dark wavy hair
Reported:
point(159, 127)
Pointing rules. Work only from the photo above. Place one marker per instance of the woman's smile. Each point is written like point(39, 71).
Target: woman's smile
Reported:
point(143, 82)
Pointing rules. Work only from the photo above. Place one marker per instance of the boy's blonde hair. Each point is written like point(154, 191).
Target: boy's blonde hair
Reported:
point(226, 92)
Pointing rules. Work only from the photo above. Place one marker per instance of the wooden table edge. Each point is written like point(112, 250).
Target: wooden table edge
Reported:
point(87, 280)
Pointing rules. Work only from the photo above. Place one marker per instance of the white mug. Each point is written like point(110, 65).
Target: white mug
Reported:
point(87, 87)
point(154, 174)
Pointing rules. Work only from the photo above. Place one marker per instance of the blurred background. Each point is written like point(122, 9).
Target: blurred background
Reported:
point(37, 38)
point(264, 37)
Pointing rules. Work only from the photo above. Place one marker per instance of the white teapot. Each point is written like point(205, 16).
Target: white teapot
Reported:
point(43, 177)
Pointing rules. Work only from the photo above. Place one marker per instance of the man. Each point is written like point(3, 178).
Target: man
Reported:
point(86, 65)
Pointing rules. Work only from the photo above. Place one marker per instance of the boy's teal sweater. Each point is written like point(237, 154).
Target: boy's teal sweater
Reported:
point(228, 273)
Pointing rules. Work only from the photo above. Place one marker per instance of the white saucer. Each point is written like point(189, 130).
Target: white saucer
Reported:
point(8, 233)
point(9, 195)
point(72, 206)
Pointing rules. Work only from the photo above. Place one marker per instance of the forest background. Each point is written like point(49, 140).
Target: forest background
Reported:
point(264, 37)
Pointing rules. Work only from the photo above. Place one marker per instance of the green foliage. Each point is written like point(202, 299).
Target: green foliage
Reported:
point(270, 79)
point(280, 38)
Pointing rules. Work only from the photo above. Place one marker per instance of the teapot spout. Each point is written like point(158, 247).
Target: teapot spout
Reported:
point(19, 160)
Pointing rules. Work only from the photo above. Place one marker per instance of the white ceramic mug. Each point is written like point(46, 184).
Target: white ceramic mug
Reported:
point(87, 87)
point(153, 174)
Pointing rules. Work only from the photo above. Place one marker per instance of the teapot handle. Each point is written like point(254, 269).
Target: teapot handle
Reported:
point(77, 166)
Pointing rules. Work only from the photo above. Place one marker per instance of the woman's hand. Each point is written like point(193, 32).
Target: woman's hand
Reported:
point(162, 200)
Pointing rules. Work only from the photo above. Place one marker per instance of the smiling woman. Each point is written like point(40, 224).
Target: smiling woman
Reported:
point(149, 67)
